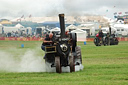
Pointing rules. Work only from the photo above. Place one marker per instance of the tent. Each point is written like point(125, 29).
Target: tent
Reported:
point(1, 28)
point(122, 29)
point(81, 35)
point(106, 29)
point(29, 30)
point(10, 29)
point(118, 25)
point(55, 29)
point(71, 27)
point(19, 26)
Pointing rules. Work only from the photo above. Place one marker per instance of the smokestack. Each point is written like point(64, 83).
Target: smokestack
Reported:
point(109, 30)
point(62, 25)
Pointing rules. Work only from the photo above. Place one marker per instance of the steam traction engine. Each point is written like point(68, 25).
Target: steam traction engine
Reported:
point(109, 39)
point(62, 49)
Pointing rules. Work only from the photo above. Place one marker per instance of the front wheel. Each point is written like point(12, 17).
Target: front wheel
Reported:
point(71, 63)
point(58, 65)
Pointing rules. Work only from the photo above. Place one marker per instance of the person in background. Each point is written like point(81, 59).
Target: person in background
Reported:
point(101, 35)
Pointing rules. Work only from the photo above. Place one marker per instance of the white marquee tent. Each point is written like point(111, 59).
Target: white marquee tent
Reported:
point(19, 26)
point(10, 29)
point(1, 26)
point(81, 35)
point(122, 29)
point(55, 29)
point(71, 27)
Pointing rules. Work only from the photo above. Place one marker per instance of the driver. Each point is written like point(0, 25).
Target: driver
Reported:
point(47, 41)
point(101, 35)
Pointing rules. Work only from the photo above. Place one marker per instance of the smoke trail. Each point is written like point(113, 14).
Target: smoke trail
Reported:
point(28, 62)
point(31, 63)
point(7, 62)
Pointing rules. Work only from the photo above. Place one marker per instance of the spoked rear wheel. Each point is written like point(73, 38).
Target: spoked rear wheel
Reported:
point(58, 65)
point(71, 63)
point(78, 53)
point(97, 41)
point(74, 41)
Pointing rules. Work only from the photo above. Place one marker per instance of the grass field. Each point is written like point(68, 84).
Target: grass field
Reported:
point(104, 65)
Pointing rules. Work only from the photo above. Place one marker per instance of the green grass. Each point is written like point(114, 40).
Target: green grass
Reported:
point(104, 65)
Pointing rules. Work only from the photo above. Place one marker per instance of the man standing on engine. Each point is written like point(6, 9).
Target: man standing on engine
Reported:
point(101, 35)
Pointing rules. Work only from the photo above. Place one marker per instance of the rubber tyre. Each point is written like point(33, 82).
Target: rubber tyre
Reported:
point(58, 65)
point(74, 41)
point(78, 53)
point(96, 42)
point(71, 63)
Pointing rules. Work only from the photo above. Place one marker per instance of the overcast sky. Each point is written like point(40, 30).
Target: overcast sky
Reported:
point(40, 8)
